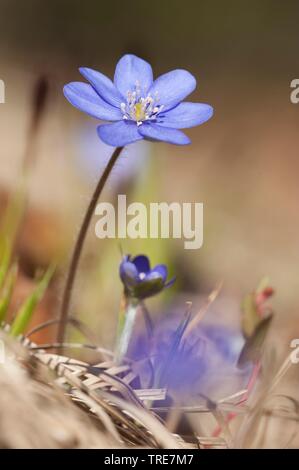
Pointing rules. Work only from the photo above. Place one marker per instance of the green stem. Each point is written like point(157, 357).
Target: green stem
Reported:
point(64, 312)
point(125, 329)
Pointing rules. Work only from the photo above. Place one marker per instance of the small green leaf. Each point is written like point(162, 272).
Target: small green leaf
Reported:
point(251, 314)
point(251, 317)
point(26, 310)
point(263, 284)
point(7, 291)
point(252, 350)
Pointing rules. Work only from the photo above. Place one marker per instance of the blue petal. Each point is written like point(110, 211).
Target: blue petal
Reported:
point(162, 270)
point(119, 133)
point(155, 132)
point(128, 273)
point(85, 98)
point(186, 115)
point(172, 87)
point(153, 276)
point(142, 263)
point(131, 70)
point(170, 282)
point(103, 86)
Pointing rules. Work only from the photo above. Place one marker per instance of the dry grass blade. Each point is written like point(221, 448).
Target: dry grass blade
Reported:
point(105, 353)
point(201, 313)
point(247, 435)
point(100, 412)
point(163, 438)
point(72, 375)
point(151, 394)
point(211, 442)
point(81, 376)
point(80, 326)
point(37, 414)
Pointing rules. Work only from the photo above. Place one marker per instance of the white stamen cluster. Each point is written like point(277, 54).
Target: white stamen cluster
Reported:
point(140, 109)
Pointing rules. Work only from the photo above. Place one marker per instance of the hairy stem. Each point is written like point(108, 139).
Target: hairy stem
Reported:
point(125, 329)
point(79, 245)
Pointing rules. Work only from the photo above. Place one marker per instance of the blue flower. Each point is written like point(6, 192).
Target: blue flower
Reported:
point(138, 106)
point(203, 364)
point(140, 281)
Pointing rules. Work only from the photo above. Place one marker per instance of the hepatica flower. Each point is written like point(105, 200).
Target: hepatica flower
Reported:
point(137, 106)
point(140, 281)
point(204, 363)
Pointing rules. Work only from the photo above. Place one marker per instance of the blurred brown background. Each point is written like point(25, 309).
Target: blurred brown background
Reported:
point(243, 164)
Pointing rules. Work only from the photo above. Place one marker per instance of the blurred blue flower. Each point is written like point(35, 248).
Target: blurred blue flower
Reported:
point(139, 107)
point(203, 365)
point(92, 156)
point(140, 281)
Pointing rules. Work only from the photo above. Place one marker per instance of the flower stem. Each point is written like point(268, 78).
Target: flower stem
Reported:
point(125, 329)
point(79, 245)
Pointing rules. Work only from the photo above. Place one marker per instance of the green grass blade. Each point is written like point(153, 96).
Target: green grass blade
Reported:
point(5, 259)
point(7, 291)
point(26, 310)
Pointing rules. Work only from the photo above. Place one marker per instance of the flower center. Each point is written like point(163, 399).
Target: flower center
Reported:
point(139, 108)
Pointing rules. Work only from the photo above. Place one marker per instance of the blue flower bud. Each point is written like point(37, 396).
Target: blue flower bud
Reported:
point(139, 280)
